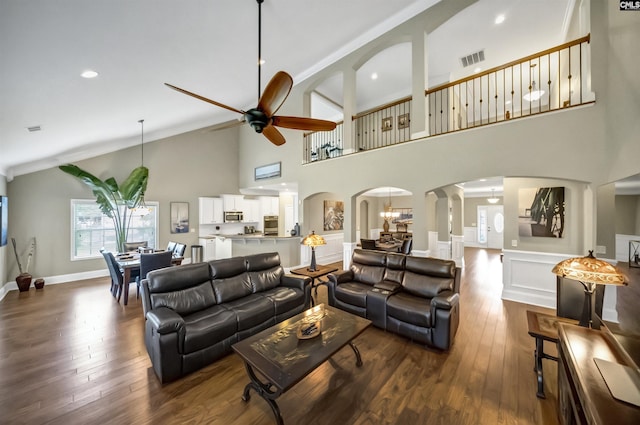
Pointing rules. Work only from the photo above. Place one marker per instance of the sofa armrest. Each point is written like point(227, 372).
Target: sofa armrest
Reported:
point(293, 281)
point(340, 276)
point(165, 321)
point(444, 301)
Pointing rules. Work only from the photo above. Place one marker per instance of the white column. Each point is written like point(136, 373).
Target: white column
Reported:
point(349, 109)
point(419, 83)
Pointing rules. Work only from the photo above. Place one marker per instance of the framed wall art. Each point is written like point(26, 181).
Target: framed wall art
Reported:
point(541, 212)
point(403, 121)
point(333, 215)
point(387, 124)
point(179, 217)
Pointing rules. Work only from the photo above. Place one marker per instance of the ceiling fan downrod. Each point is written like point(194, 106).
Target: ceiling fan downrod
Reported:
point(259, 45)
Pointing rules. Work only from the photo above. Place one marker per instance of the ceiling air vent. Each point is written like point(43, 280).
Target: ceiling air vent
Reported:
point(34, 128)
point(472, 59)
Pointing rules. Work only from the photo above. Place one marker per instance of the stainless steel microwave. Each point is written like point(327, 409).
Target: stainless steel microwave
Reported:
point(233, 217)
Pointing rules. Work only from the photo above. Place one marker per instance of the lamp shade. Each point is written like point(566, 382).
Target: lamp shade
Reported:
point(313, 240)
point(589, 270)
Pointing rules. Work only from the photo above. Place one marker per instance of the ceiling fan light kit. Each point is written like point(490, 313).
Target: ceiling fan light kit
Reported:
point(262, 118)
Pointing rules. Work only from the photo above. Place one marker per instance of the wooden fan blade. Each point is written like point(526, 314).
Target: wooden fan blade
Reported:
point(275, 93)
point(197, 96)
point(274, 136)
point(301, 123)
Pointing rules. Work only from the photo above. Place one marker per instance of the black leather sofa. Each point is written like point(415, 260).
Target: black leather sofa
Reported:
point(417, 297)
point(194, 313)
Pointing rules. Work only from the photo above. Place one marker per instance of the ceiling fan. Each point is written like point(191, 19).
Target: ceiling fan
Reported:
point(262, 118)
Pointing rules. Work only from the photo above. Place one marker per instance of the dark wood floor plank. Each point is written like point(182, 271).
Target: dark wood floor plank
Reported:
point(71, 354)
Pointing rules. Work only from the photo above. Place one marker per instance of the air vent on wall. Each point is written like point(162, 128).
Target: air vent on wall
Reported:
point(473, 58)
point(34, 128)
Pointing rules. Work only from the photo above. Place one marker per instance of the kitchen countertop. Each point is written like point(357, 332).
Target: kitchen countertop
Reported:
point(250, 236)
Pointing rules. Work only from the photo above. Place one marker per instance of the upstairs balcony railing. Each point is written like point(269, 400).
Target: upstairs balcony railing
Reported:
point(551, 80)
point(547, 81)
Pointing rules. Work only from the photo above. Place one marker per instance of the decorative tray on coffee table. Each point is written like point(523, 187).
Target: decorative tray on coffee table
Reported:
point(309, 330)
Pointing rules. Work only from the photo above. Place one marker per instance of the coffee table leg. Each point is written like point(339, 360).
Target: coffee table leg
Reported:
point(355, 350)
point(264, 391)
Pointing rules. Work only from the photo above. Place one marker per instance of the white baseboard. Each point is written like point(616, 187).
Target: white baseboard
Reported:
point(55, 280)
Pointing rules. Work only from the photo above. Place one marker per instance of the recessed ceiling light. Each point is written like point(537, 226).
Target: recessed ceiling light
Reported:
point(508, 102)
point(89, 74)
point(261, 62)
point(499, 19)
point(478, 69)
point(374, 76)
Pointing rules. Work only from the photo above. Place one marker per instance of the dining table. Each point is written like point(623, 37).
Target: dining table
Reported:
point(389, 246)
point(129, 262)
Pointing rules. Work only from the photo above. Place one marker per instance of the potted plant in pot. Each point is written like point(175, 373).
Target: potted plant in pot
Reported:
point(116, 201)
point(23, 280)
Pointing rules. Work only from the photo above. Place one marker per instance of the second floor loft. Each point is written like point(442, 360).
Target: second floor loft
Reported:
point(548, 81)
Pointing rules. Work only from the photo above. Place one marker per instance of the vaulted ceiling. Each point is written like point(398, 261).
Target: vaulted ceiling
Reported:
point(209, 47)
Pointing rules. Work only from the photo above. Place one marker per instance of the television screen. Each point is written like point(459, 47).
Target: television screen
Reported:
point(4, 214)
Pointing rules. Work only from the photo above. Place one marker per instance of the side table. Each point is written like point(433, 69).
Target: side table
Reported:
point(319, 272)
point(544, 327)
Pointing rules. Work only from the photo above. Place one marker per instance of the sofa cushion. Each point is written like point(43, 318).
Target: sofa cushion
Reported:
point(284, 299)
point(427, 277)
point(261, 280)
point(410, 309)
point(264, 261)
point(229, 267)
point(206, 326)
point(353, 293)
point(176, 278)
point(185, 301)
point(252, 310)
point(232, 288)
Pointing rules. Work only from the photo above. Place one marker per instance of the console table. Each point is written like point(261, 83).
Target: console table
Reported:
point(583, 395)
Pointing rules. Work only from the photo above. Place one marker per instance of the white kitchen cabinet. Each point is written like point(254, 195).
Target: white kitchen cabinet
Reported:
point(233, 202)
point(211, 211)
point(208, 248)
point(215, 248)
point(252, 211)
point(269, 205)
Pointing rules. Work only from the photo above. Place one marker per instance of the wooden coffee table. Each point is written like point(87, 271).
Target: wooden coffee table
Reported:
point(283, 360)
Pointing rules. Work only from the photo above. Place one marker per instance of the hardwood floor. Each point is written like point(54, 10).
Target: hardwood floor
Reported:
point(69, 354)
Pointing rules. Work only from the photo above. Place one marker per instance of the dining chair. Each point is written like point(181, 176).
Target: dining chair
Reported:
point(368, 243)
point(133, 246)
point(179, 250)
point(171, 246)
point(406, 246)
point(117, 279)
point(150, 262)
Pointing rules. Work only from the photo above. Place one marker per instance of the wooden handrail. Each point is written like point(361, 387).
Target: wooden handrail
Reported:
point(586, 38)
point(311, 132)
point(380, 108)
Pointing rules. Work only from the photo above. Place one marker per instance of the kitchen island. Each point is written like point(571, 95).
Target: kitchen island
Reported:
point(225, 246)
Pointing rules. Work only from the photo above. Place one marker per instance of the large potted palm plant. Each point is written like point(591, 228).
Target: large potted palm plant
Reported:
point(116, 201)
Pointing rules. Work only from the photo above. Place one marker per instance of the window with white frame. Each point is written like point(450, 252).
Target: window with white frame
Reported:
point(92, 231)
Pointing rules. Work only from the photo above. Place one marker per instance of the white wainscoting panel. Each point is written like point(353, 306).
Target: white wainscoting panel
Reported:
point(433, 242)
point(347, 254)
point(527, 278)
point(444, 250)
point(471, 237)
point(457, 250)
point(622, 246)
point(325, 254)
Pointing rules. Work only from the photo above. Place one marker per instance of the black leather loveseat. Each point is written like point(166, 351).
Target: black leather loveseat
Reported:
point(417, 297)
point(194, 313)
